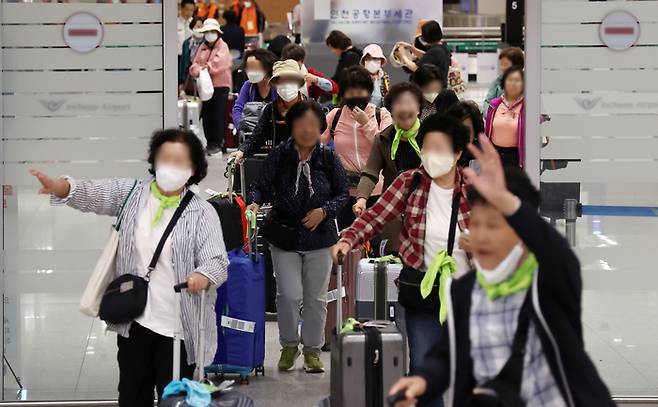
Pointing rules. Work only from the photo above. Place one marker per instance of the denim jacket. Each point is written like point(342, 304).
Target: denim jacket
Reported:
point(276, 184)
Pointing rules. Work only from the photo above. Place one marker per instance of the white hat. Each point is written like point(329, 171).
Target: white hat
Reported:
point(210, 24)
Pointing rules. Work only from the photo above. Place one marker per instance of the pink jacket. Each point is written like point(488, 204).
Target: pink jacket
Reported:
point(218, 61)
point(353, 142)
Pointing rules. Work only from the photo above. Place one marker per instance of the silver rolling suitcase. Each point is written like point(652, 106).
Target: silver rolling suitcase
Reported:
point(365, 363)
point(382, 274)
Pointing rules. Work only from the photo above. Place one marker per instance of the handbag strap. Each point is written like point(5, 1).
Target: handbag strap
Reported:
point(452, 232)
point(512, 371)
point(123, 206)
point(158, 250)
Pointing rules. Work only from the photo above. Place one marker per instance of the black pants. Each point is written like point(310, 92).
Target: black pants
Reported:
point(213, 114)
point(146, 362)
point(509, 156)
point(346, 216)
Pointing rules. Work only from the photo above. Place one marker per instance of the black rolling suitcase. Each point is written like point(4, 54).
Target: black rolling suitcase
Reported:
point(366, 362)
point(230, 208)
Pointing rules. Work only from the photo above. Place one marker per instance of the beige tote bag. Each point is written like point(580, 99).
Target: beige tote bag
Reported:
point(105, 270)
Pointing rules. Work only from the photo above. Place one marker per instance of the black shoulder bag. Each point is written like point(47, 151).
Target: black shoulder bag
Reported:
point(125, 297)
point(504, 390)
point(409, 283)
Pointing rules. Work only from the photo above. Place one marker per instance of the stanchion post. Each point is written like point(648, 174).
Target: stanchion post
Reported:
point(570, 215)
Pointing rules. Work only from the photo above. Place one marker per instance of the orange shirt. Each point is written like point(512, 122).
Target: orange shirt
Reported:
point(505, 126)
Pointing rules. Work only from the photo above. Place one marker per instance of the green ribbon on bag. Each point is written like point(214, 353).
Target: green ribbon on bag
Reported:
point(166, 202)
point(407, 135)
point(444, 265)
point(350, 325)
point(519, 281)
point(388, 259)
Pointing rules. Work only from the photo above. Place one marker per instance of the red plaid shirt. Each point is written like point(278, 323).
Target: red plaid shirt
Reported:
point(395, 201)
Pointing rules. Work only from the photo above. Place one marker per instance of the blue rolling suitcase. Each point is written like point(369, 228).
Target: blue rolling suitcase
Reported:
point(240, 308)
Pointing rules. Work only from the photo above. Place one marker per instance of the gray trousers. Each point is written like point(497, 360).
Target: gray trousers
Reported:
point(301, 278)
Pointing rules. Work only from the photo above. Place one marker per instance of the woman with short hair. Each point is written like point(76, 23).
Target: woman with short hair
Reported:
point(436, 97)
point(352, 129)
point(193, 253)
point(394, 150)
point(505, 121)
point(307, 186)
point(258, 64)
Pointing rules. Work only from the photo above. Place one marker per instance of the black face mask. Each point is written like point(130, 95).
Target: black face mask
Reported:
point(361, 102)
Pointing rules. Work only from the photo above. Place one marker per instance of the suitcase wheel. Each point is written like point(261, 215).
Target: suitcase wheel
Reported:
point(260, 370)
point(244, 380)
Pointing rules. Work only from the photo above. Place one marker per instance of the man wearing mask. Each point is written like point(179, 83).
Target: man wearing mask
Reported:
point(515, 335)
point(214, 56)
point(435, 213)
point(272, 129)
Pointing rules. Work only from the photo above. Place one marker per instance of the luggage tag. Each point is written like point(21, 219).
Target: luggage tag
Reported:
point(238, 324)
point(333, 295)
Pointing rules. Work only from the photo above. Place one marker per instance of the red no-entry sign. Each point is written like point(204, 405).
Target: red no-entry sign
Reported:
point(619, 30)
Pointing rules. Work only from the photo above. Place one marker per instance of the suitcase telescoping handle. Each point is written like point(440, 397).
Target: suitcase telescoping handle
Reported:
point(199, 371)
point(339, 286)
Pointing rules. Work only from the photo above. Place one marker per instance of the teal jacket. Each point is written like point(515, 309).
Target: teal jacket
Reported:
point(495, 90)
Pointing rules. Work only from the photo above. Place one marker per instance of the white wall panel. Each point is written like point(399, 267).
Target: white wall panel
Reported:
point(40, 13)
point(604, 172)
point(588, 34)
point(76, 150)
point(600, 103)
point(584, 11)
point(19, 173)
point(588, 149)
point(52, 36)
point(80, 127)
point(83, 105)
point(81, 81)
point(642, 80)
point(64, 58)
point(602, 126)
point(600, 57)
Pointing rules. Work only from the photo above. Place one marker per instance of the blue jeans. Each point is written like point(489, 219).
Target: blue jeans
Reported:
point(423, 331)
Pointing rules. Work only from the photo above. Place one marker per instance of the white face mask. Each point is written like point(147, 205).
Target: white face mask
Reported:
point(247, 4)
point(437, 164)
point(504, 269)
point(170, 178)
point(373, 66)
point(255, 76)
point(430, 96)
point(211, 36)
point(288, 91)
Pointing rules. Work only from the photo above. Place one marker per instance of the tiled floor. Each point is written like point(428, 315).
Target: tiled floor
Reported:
point(61, 354)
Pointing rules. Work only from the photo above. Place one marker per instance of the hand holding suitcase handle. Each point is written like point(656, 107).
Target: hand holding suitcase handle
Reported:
point(406, 391)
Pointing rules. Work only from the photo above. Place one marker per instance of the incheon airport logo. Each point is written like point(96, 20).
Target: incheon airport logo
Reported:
point(52, 105)
point(587, 104)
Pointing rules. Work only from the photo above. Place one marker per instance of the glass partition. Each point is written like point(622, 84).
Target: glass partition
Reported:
point(86, 111)
point(598, 87)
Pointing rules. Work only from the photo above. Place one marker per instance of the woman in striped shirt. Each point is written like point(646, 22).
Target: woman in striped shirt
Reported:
point(194, 253)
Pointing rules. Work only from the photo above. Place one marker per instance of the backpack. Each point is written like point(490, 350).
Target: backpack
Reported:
point(334, 123)
point(251, 114)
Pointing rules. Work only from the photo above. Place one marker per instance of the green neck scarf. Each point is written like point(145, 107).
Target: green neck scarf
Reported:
point(444, 265)
point(407, 135)
point(519, 281)
point(166, 202)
